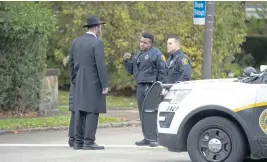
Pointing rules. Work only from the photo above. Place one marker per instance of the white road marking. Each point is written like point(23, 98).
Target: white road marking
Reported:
point(66, 145)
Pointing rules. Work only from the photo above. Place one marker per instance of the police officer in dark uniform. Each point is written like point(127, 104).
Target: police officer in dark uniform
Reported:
point(89, 76)
point(148, 66)
point(178, 65)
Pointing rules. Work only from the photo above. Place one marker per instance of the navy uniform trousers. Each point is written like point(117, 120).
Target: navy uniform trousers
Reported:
point(141, 92)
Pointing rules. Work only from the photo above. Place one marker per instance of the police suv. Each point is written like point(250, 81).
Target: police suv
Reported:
point(217, 120)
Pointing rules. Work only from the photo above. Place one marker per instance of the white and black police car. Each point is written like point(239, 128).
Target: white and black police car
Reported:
point(216, 120)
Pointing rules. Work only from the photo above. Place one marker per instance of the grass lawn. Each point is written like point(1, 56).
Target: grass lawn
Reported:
point(112, 101)
point(53, 121)
point(63, 119)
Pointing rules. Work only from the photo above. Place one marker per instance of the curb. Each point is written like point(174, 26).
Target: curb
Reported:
point(113, 108)
point(100, 126)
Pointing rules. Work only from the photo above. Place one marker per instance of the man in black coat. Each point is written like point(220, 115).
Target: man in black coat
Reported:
point(72, 117)
point(89, 76)
point(71, 107)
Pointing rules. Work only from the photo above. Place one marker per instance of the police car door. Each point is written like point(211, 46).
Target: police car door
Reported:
point(261, 115)
point(149, 111)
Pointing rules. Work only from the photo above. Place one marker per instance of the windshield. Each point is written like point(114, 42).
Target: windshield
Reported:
point(263, 72)
point(254, 78)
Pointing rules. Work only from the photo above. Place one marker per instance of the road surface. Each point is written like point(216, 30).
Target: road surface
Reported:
point(52, 147)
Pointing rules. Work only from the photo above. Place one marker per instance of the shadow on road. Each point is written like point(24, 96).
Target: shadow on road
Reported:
point(262, 160)
point(247, 160)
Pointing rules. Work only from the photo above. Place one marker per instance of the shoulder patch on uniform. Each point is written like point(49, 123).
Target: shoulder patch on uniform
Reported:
point(163, 58)
point(184, 61)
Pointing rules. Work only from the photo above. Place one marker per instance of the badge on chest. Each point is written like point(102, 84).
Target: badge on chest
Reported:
point(171, 64)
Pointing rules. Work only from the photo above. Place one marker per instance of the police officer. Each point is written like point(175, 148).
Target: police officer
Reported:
point(148, 66)
point(89, 76)
point(178, 65)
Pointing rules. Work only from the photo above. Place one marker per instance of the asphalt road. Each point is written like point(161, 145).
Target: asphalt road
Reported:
point(52, 146)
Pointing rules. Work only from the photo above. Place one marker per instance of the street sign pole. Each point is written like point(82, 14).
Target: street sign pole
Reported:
point(204, 15)
point(208, 38)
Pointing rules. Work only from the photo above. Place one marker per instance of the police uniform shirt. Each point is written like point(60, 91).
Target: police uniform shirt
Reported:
point(147, 66)
point(178, 67)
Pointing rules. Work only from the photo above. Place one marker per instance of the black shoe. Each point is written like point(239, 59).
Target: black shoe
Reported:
point(154, 144)
point(93, 146)
point(71, 142)
point(144, 142)
point(78, 146)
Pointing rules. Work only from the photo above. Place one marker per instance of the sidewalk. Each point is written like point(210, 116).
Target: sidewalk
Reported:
point(131, 118)
point(129, 115)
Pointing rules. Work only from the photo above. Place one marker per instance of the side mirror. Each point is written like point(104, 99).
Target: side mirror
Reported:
point(263, 67)
point(249, 71)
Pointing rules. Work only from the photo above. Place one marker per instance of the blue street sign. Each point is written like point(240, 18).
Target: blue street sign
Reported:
point(199, 12)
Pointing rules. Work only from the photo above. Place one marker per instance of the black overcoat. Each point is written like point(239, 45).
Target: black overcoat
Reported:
point(88, 73)
point(71, 92)
point(71, 97)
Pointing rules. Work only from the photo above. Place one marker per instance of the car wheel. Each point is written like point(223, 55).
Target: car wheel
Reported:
point(216, 139)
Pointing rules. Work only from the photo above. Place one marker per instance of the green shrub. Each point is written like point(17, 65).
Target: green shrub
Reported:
point(25, 28)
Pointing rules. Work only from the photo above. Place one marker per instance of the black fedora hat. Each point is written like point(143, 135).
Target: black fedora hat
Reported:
point(93, 20)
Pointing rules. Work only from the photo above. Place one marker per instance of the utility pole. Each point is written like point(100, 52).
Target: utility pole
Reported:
point(208, 37)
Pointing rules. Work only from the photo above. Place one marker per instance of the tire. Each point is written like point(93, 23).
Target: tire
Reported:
point(234, 151)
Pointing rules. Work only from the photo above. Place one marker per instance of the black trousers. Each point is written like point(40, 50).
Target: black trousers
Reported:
point(85, 127)
point(71, 126)
point(141, 92)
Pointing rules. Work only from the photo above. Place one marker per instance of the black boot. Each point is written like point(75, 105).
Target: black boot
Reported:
point(92, 146)
point(78, 145)
point(71, 142)
point(154, 144)
point(143, 142)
